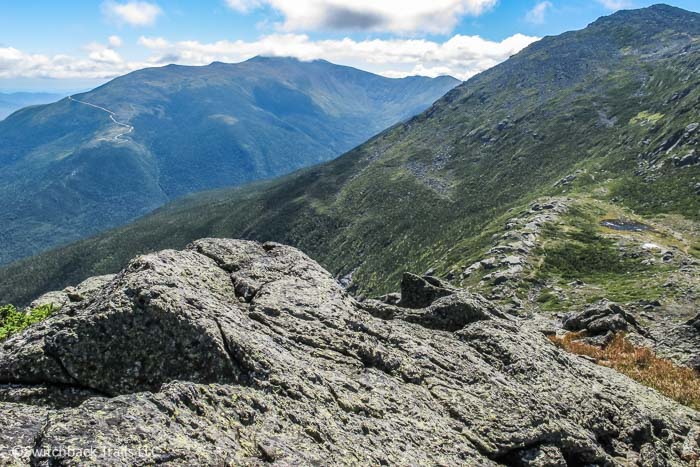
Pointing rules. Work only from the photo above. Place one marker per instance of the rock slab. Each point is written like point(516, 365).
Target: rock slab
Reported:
point(239, 353)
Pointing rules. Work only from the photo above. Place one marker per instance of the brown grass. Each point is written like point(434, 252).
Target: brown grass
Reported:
point(641, 364)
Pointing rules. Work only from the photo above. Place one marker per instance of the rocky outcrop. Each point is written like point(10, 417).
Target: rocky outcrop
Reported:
point(72, 294)
point(679, 342)
point(603, 320)
point(237, 353)
point(419, 292)
point(692, 158)
point(512, 258)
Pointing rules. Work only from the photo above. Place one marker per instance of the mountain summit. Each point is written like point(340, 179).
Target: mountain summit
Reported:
point(99, 159)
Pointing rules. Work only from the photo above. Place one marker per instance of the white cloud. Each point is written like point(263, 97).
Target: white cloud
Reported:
point(101, 62)
point(134, 13)
point(615, 4)
point(101, 53)
point(243, 6)
point(405, 16)
point(538, 12)
point(153, 42)
point(115, 41)
point(106, 56)
point(460, 56)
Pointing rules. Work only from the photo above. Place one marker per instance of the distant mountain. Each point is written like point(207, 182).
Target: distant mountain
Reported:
point(11, 102)
point(99, 159)
point(608, 116)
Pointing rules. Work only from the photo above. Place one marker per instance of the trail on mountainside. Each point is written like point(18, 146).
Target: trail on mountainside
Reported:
point(117, 138)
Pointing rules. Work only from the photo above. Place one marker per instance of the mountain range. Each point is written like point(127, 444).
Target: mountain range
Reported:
point(99, 159)
point(612, 108)
point(11, 102)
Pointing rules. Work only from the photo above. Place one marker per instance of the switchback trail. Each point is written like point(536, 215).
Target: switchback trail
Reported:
point(117, 138)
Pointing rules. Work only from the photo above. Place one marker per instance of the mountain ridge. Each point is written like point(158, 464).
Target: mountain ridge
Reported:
point(14, 101)
point(100, 158)
point(584, 106)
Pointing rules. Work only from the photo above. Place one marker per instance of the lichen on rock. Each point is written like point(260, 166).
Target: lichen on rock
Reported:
point(234, 352)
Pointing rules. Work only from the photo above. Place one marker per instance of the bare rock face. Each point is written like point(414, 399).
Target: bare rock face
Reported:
point(72, 294)
point(233, 352)
point(419, 292)
point(680, 342)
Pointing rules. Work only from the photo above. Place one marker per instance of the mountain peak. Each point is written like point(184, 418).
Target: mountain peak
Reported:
point(236, 122)
point(654, 19)
point(282, 59)
point(270, 58)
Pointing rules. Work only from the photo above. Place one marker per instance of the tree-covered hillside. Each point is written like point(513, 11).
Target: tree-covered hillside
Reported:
point(99, 159)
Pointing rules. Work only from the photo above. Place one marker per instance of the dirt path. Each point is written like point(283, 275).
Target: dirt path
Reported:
point(119, 138)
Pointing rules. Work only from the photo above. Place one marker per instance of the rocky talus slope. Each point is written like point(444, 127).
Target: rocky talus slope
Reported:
point(235, 352)
point(590, 266)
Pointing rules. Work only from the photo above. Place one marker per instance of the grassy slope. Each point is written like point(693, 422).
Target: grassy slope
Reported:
point(431, 191)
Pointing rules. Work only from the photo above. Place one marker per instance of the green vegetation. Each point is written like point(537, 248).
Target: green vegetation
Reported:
point(584, 253)
point(13, 321)
point(431, 192)
point(674, 192)
point(195, 129)
point(576, 249)
point(645, 118)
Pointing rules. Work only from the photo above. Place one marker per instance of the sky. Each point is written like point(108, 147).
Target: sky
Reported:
point(70, 45)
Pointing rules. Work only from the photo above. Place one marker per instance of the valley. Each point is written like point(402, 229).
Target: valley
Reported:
point(99, 159)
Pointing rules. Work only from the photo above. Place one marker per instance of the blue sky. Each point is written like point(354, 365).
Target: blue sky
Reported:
point(70, 45)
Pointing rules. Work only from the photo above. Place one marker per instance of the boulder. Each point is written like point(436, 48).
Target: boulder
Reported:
point(419, 292)
point(677, 342)
point(566, 180)
point(602, 318)
point(391, 298)
point(691, 158)
point(512, 261)
point(172, 362)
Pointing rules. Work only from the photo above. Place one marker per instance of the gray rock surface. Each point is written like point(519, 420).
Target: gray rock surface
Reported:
point(602, 318)
point(691, 158)
point(419, 292)
point(72, 294)
point(509, 261)
point(679, 342)
point(237, 353)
